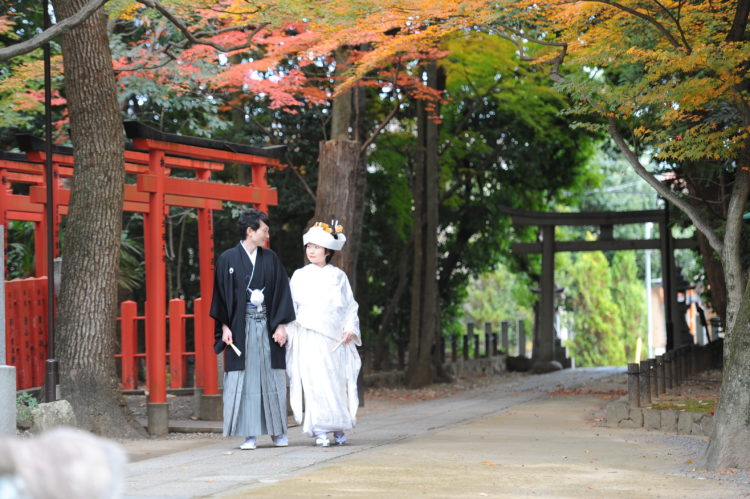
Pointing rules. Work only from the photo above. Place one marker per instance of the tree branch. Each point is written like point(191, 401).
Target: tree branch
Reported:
point(296, 172)
point(672, 40)
point(677, 23)
point(380, 127)
point(556, 62)
point(144, 67)
point(193, 37)
point(700, 223)
point(51, 33)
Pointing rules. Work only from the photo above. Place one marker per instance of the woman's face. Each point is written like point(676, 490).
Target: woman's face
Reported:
point(316, 254)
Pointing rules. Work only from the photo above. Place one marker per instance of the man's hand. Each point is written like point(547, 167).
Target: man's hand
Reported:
point(226, 334)
point(347, 337)
point(279, 336)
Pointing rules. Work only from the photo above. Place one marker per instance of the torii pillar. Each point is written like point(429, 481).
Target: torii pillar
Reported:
point(156, 300)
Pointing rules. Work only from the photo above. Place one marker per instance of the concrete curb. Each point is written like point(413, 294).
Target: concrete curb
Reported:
point(619, 414)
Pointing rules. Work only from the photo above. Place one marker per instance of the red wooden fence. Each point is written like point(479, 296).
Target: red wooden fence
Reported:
point(26, 329)
point(26, 337)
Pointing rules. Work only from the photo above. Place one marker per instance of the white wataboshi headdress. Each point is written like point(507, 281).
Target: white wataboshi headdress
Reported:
point(325, 235)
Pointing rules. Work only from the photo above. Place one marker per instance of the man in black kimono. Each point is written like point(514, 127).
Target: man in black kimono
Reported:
point(251, 305)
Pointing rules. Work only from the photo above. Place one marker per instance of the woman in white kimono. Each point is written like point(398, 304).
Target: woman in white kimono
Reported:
point(322, 359)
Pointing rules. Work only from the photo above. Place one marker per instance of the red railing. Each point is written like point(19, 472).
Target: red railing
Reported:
point(132, 350)
point(26, 338)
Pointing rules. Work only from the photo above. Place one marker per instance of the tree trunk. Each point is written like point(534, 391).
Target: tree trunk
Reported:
point(425, 317)
point(341, 178)
point(88, 295)
point(731, 256)
point(729, 446)
point(340, 196)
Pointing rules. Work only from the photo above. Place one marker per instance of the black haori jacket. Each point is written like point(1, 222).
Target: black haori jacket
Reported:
point(233, 269)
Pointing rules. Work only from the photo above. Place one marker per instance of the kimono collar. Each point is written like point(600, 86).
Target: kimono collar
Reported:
point(245, 259)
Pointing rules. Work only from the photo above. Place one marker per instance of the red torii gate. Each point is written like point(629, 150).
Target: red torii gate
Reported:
point(155, 190)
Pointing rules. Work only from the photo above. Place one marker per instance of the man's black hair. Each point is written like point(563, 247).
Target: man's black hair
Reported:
point(251, 219)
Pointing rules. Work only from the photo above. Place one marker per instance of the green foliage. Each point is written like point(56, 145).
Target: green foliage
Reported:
point(606, 303)
point(20, 251)
point(629, 294)
point(21, 78)
point(504, 143)
point(25, 403)
point(499, 296)
point(132, 271)
point(386, 233)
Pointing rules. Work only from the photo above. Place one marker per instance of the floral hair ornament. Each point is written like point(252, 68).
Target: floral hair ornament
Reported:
point(329, 236)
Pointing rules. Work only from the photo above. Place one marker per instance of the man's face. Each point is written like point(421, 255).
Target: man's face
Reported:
point(258, 237)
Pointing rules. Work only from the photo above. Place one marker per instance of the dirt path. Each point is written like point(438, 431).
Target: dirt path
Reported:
point(537, 435)
point(543, 448)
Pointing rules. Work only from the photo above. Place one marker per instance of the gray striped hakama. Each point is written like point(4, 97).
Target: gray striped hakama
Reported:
point(255, 399)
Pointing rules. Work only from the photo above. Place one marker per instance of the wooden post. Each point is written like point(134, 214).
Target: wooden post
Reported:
point(177, 362)
point(156, 297)
point(668, 377)
point(203, 327)
point(454, 347)
point(504, 326)
point(521, 339)
point(653, 378)
point(634, 398)
point(494, 344)
point(476, 345)
point(547, 298)
point(660, 376)
point(645, 388)
point(467, 338)
point(129, 344)
point(487, 339)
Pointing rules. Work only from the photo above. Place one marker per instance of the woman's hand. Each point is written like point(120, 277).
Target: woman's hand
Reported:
point(226, 334)
point(347, 337)
point(279, 336)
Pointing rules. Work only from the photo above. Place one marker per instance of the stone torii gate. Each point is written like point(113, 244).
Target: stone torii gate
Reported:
point(545, 334)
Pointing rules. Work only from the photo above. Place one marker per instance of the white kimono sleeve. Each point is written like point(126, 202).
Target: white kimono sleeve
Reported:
point(351, 309)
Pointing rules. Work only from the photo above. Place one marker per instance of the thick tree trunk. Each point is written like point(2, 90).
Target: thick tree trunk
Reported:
point(340, 196)
point(341, 178)
point(729, 446)
point(731, 257)
point(87, 302)
point(425, 317)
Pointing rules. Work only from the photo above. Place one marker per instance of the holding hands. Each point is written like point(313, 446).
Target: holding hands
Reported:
point(279, 336)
